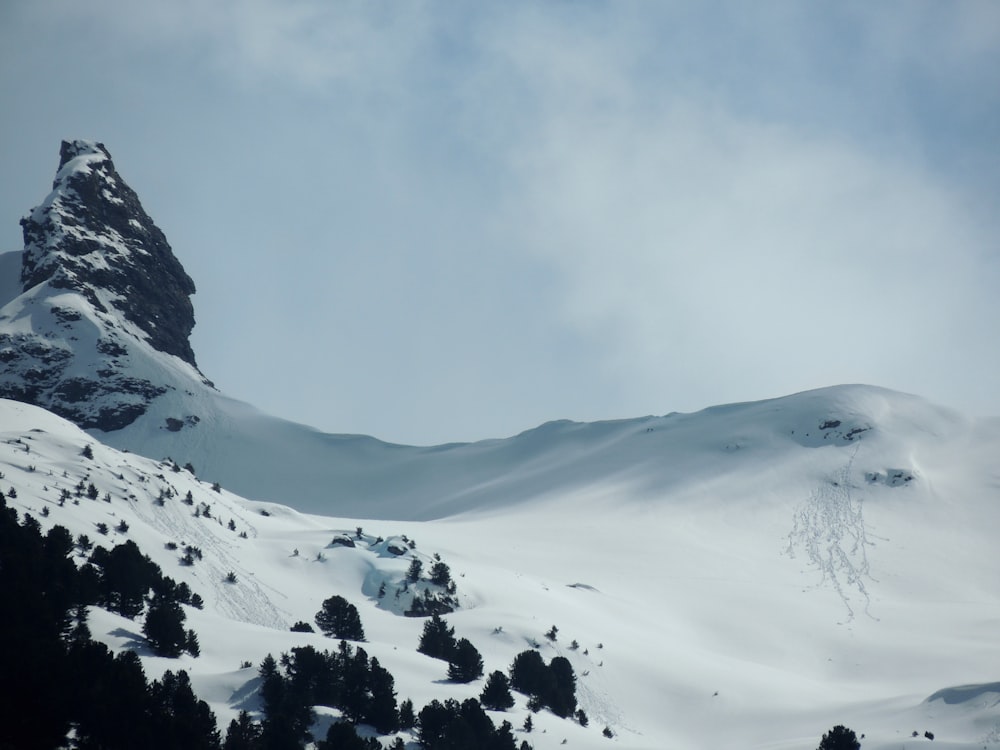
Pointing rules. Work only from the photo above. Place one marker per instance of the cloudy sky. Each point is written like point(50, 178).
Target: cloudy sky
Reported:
point(437, 221)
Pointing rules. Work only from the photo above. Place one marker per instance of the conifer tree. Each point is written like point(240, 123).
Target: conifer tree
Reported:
point(496, 695)
point(437, 639)
point(126, 576)
point(414, 571)
point(164, 627)
point(561, 697)
point(840, 738)
point(528, 673)
point(343, 736)
point(179, 718)
point(356, 686)
point(440, 573)
point(382, 712)
point(243, 734)
point(465, 663)
point(286, 720)
point(407, 718)
point(338, 618)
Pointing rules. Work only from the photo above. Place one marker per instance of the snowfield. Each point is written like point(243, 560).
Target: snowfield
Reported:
point(743, 577)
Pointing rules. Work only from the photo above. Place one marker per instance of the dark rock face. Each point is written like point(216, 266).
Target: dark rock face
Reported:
point(91, 234)
point(102, 294)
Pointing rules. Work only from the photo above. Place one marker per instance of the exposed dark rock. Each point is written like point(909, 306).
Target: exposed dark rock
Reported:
point(92, 235)
point(176, 425)
point(75, 390)
point(111, 348)
point(65, 314)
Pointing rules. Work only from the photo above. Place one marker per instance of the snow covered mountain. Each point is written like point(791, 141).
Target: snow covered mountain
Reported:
point(763, 589)
point(100, 328)
point(746, 576)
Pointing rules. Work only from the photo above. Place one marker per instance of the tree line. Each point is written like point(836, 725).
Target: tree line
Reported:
point(55, 678)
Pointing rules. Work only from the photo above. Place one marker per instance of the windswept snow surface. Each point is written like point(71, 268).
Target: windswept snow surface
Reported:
point(744, 577)
point(266, 458)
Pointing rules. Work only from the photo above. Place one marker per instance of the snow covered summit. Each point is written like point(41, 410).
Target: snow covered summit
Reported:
point(101, 325)
point(92, 236)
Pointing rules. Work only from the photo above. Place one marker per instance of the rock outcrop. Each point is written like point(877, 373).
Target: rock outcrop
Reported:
point(103, 322)
point(91, 234)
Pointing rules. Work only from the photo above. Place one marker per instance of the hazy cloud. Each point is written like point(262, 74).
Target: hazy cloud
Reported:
point(457, 221)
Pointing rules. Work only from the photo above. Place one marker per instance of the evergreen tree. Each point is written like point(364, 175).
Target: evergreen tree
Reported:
point(414, 571)
point(286, 720)
point(839, 738)
point(553, 685)
point(126, 576)
point(561, 697)
point(32, 653)
point(407, 719)
point(472, 716)
point(440, 573)
point(528, 673)
point(356, 686)
point(164, 627)
point(126, 705)
point(437, 640)
point(309, 676)
point(433, 722)
point(465, 663)
point(338, 618)
point(382, 712)
point(53, 676)
point(243, 734)
point(182, 594)
point(503, 738)
point(343, 736)
point(179, 718)
point(496, 695)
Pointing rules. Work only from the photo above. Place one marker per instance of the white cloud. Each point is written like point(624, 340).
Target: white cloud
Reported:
point(710, 249)
point(258, 42)
point(494, 214)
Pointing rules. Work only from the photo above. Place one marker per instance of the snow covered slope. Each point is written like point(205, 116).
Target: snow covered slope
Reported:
point(753, 576)
point(746, 576)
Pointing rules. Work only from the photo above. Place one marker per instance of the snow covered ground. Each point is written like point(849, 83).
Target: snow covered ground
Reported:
point(743, 577)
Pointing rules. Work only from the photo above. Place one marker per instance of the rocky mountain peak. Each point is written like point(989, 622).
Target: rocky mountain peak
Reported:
point(100, 329)
point(92, 236)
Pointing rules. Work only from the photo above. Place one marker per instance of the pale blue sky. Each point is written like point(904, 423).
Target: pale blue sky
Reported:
point(450, 221)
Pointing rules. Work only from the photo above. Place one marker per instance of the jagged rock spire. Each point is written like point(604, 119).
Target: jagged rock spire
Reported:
point(100, 330)
point(92, 236)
